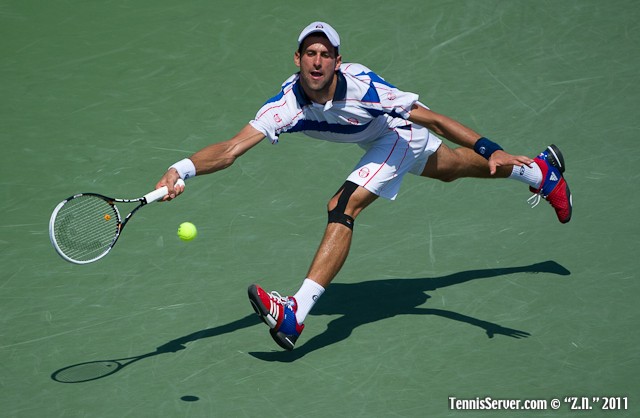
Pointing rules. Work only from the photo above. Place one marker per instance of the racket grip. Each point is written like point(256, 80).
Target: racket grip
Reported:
point(158, 194)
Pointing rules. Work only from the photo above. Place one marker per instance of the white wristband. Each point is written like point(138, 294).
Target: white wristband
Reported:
point(185, 168)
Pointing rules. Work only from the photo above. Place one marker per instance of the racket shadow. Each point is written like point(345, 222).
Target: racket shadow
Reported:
point(99, 369)
point(376, 300)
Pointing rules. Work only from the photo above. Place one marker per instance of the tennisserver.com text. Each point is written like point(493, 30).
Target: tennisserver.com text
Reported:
point(573, 403)
point(488, 403)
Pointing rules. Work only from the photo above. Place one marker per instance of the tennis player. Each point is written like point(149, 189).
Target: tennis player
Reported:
point(345, 102)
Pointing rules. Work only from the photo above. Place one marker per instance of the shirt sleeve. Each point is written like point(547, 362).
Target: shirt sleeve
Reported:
point(276, 114)
point(267, 130)
point(381, 94)
point(397, 103)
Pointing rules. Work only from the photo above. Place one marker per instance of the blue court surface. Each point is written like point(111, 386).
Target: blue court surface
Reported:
point(453, 295)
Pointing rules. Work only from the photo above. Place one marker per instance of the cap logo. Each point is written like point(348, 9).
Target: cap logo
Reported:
point(319, 26)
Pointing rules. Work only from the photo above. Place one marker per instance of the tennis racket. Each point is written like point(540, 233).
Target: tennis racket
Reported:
point(84, 228)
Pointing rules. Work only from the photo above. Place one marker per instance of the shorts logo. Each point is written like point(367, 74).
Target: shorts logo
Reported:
point(364, 172)
point(353, 121)
point(277, 118)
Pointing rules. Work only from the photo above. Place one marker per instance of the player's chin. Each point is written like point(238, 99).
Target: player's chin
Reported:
point(316, 85)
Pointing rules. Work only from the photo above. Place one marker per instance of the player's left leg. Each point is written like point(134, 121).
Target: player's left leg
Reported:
point(335, 244)
point(285, 314)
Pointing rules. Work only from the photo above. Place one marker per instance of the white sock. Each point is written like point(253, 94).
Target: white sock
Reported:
point(529, 175)
point(307, 296)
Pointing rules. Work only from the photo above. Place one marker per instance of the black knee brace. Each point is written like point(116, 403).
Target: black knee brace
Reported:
point(337, 215)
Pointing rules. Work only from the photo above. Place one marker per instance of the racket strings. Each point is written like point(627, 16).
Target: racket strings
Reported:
point(85, 227)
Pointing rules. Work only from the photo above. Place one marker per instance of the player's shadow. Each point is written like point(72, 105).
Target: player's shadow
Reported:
point(357, 303)
point(372, 301)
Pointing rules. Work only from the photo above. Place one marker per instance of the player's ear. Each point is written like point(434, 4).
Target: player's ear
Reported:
point(338, 62)
point(296, 58)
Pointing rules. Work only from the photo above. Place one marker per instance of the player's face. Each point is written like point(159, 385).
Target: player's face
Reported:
point(318, 63)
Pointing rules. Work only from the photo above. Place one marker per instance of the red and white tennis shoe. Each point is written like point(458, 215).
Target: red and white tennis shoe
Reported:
point(554, 188)
point(279, 313)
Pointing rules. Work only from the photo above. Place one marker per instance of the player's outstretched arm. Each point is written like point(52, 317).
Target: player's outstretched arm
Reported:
point(444, 126)
point(212, 158)
point(459, 134)
point(221, 155)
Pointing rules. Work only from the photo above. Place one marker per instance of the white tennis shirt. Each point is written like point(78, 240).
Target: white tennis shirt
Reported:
point(363, 109)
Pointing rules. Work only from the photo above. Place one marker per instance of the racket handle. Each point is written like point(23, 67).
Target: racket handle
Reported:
point(158, 194)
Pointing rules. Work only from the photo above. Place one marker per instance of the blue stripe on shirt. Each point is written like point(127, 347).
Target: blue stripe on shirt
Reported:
point(377, 112)
point(375, 77)
point(312, 125)
point(275, 98)
point(280, 95)
point(371, 95)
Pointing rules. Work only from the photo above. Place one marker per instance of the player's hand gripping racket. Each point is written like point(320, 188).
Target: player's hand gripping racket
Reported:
point(86, 226)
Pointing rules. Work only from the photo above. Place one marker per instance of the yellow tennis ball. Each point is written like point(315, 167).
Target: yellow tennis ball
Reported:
point(187, 231)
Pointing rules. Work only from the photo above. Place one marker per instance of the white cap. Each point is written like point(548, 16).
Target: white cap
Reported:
point(320, 27)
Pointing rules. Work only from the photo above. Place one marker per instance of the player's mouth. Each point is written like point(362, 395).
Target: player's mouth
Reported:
point(316, 74)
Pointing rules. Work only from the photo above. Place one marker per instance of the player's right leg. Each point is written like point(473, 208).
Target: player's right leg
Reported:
point(448, 164)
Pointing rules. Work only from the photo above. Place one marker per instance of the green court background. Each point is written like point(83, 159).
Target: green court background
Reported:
point(455, 289)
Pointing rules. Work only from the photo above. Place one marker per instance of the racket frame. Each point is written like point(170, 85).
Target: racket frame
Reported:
point(151, 197)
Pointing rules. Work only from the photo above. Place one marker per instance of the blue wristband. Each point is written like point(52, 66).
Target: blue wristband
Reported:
point(485, 147)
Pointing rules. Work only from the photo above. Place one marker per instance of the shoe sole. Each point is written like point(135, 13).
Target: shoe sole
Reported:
point(558, 158)
point(282, 340)
point(570, 198)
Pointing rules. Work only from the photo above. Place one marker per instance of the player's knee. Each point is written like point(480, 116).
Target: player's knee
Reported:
point(337, 206)
point(337, 217)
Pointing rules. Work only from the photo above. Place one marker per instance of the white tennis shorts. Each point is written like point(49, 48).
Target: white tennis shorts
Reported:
point(388, 158)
